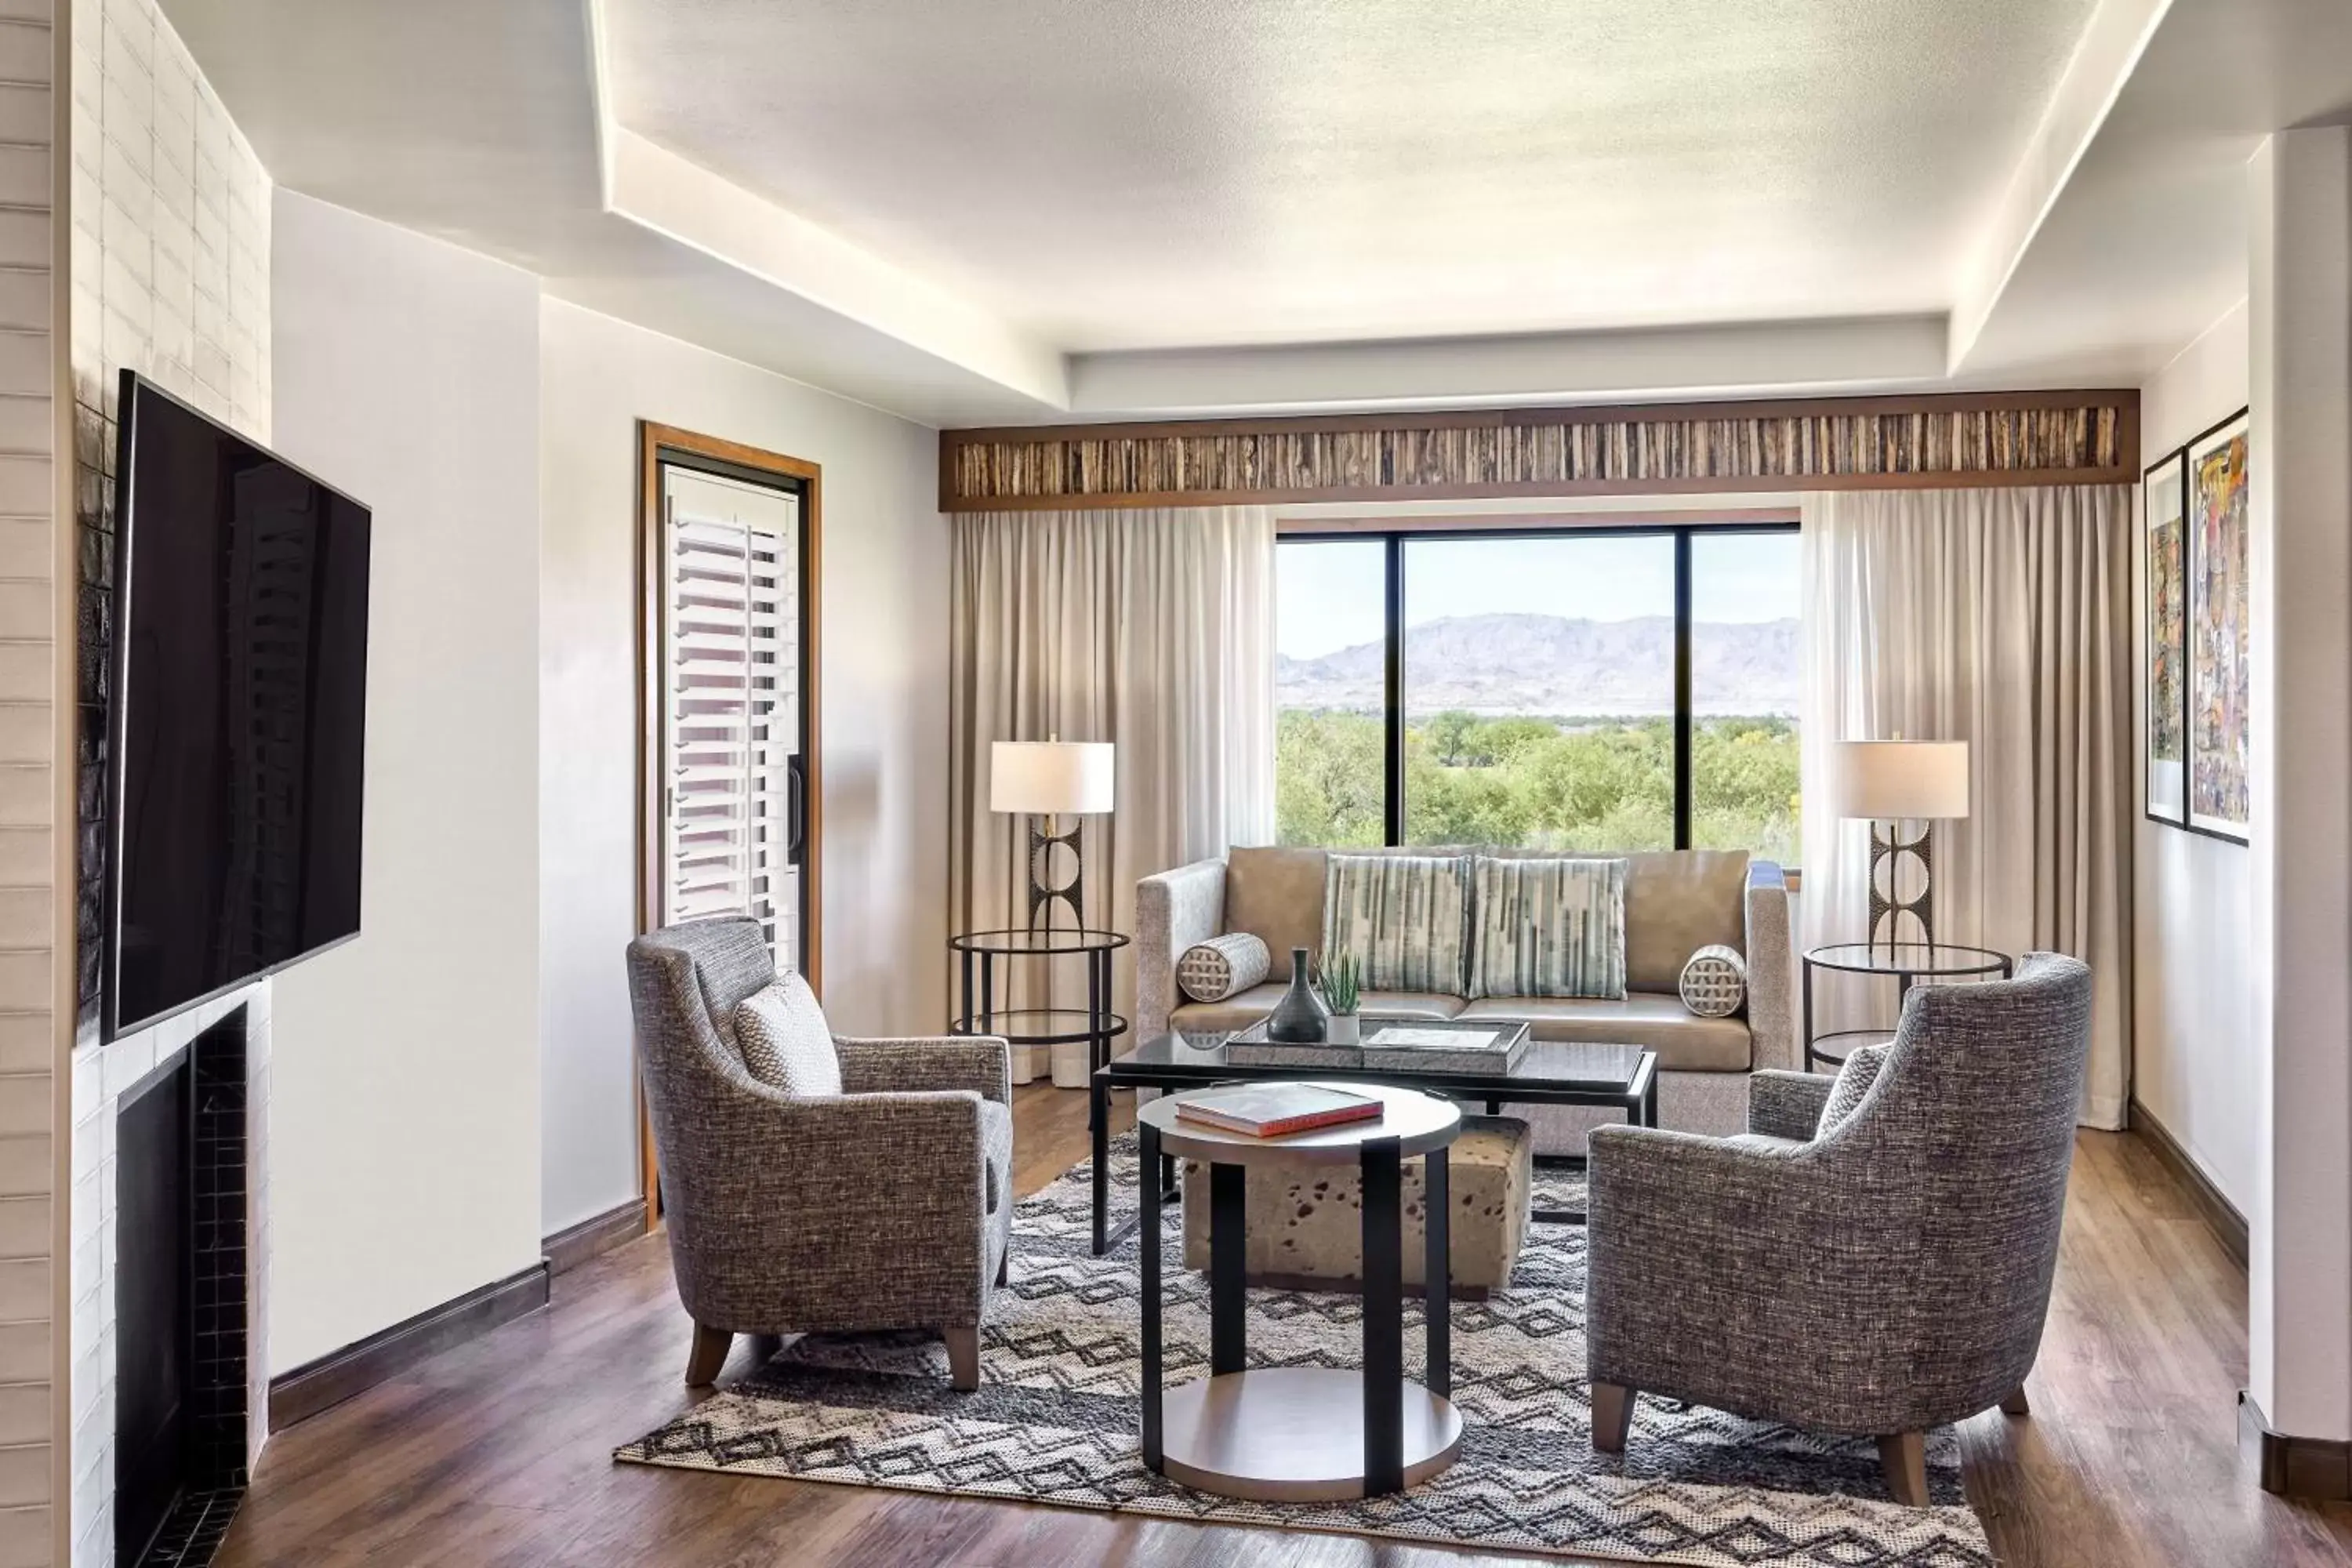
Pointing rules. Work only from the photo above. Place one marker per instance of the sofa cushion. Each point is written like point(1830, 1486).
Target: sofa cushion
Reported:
point(1548, 927)
point(1852, 1085)
point(1275, 893)
point(1213, 970)
point(1658, 1021)
point(1240, 1012)
point(1406, 916)
point(1677, 902)
point(782, 1033)
point(1715, 982)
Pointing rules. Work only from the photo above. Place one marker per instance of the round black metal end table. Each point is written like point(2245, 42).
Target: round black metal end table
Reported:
point(1906, 962)
point(1306, 1433)
point(1095, 1025)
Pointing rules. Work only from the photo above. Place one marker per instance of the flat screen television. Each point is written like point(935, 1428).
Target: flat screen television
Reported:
point(238, 713)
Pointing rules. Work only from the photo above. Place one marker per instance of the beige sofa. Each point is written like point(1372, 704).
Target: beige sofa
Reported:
point(1675, 902)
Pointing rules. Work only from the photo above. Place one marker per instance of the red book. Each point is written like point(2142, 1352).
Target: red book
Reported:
point(1273, 1110)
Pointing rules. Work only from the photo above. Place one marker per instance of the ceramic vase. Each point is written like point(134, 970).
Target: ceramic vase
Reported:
point(1299, 1018)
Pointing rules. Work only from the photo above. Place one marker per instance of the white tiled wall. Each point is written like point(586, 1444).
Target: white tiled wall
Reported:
point(170, 276)
point(28, 641)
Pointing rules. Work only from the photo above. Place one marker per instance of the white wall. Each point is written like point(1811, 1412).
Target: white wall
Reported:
point(2195, 1048)
point(407, 1111)
point(884, 711)
point(2299, 1266)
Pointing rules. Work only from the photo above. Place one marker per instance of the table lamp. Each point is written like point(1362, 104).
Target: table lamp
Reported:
point(1047, 780)
point(1895, 781)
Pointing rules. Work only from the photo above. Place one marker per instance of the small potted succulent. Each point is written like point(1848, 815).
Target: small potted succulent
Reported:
point(1343, 991)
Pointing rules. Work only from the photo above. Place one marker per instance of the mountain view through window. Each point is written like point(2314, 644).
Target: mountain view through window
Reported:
point(1538, 694)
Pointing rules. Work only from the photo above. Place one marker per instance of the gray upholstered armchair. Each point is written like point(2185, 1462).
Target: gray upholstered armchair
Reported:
point(1883, 1277)
point(888, 1206)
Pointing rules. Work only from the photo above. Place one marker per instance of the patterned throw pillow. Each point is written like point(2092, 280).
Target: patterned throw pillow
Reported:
point(1550, 927)
point(1715, 982)
point(1406, 916)
point(1853, 1081)
point(784, 1040)
point(1222, 966)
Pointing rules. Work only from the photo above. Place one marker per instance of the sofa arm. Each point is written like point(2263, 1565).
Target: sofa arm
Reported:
point(1787, 1104)
point(865, 1211)
point(1173, 910)
point(1771, 966)
point(979, 1064)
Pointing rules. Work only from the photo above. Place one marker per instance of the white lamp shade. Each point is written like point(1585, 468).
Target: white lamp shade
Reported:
point(1887, 781)
point(1050, 778)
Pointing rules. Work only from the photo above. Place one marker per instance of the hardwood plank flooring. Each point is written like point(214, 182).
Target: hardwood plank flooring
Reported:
point(497, 1453)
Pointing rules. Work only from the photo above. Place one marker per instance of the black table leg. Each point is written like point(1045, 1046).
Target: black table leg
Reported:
point(987, 995)
point(1098, 1126)
point(1805, 986)
point(1149, 1136)
point(1437, 1218)
point(965, 1023)
point(1228, 1268)
point(1096, 980)
point(1381, 1171)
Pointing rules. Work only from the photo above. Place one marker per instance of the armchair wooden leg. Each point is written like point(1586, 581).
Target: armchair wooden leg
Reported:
point(963, 1358)
point(2015, 1404)
point(1612, 1416)
point(1904, 1457)
point(709, 1354)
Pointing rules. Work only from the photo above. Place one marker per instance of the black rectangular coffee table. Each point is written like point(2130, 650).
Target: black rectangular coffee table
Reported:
point(1553, 1072)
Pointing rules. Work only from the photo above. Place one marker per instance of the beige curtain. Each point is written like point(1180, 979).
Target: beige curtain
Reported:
point(2001, 617)
point(1153, 629)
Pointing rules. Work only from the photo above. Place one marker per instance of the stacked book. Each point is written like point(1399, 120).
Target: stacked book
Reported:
point(1276, 1109)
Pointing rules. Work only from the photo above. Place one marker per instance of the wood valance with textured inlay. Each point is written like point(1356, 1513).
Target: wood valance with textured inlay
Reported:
point(1947, 440)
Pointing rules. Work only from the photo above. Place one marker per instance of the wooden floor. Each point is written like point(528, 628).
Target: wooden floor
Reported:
point(497, 1452)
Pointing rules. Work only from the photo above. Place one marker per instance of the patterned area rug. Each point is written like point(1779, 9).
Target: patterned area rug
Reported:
point(1057, 1419)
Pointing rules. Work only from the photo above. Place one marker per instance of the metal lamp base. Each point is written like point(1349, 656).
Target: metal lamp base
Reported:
point(1887, 911)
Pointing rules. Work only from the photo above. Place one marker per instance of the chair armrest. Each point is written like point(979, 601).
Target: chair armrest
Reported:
point(1172, 911)
point(1787, 1104)
point(1762, 1280)
point(867, 1211)
point(979, 1064)
point(1771, 964)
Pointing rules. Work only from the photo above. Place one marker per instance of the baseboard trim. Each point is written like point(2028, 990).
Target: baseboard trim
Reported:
point(2220, 1215)
point(2318, 1469)
point(299, 1394)
point(574, 1244)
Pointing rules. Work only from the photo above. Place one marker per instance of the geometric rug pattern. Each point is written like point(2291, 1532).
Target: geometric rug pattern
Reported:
point(1057, 1419)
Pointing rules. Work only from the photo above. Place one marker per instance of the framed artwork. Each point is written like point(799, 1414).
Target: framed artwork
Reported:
point(2221, 631)
point(2163, 521)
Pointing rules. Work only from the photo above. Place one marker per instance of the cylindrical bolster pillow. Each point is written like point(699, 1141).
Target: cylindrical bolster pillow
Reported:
point(1715, 982)
point(1222, 966)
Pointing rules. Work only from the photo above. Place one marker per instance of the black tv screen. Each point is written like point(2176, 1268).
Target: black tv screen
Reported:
point(238, 712)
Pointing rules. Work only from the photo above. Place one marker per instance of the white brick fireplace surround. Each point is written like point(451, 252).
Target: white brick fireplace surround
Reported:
point(101, 1075)
point(170, 277)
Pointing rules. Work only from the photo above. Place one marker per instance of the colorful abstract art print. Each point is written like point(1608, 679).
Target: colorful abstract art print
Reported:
point(2221, 633)
point(2164, 583)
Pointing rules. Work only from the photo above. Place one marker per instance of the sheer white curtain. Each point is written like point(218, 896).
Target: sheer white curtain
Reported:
point(2001, 617)
point(1153, 629)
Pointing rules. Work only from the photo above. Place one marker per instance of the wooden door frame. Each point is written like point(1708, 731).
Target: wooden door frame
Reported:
point(653, 618)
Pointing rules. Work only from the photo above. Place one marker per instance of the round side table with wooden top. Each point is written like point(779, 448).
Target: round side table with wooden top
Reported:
point(1304, 1434)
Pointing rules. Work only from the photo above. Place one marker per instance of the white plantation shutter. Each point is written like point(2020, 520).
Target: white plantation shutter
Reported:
point(732, 709)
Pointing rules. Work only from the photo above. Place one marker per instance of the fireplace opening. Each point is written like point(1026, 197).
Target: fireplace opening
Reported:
point(180, 1281)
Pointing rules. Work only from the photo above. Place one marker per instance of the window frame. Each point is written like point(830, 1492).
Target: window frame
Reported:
point(1393, 541)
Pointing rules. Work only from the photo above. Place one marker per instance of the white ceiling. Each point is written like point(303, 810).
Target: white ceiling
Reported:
point(1002, 211)
point(1154, 173)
